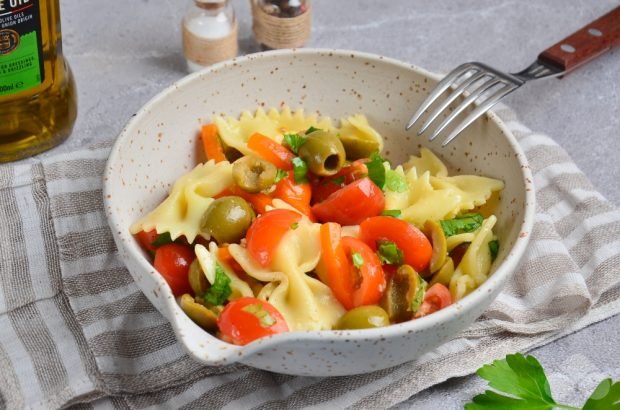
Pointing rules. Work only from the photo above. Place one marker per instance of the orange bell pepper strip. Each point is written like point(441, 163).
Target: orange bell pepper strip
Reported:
point(271, 151)
point(211, 143)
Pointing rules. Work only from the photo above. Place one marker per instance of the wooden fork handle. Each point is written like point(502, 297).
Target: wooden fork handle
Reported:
point(586, 43)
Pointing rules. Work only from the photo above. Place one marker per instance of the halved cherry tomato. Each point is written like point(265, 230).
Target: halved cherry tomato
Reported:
point(296, 195)
point(172, 262)
point(352, 285)
point(436, 298)
point(351, 204)
point(269, 150)
point(146, 240)
point(415, 245)
point(267, 231)
point(246, 319)
point(324, 187)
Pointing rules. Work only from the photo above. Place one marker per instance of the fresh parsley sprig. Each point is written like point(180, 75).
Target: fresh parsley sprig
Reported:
point(520, 383)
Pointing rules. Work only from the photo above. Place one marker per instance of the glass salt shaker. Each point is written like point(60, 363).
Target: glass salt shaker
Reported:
point(281, 23)
point(209, 33)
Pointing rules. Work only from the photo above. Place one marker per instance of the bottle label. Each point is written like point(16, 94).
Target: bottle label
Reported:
point(21, 51)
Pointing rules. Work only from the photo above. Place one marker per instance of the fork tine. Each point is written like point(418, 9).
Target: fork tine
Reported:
point(470, 99)
point(440, 88)
point(453, 96)
point(481, 109)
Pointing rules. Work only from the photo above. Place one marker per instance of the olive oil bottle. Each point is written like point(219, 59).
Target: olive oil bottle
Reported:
point(37, 94)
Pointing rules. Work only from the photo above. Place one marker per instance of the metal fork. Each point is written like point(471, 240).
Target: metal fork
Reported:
point(485, 86)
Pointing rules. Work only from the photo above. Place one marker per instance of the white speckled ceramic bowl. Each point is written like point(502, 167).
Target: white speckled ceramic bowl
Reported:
point(158, 145)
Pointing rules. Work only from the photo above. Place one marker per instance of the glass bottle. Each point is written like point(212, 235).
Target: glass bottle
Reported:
point(209, 33)
point(281, 23)
point(38, 103)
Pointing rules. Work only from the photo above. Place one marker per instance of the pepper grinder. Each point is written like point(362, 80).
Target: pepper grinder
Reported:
point(209, 33)
point(281, 23)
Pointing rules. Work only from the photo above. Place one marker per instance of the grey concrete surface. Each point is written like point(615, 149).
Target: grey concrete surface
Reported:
point(124, 52)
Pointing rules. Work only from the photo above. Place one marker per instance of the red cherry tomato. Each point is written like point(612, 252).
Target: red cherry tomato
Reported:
point(172, 262)
point(415, 245)
point(267, 231)
point(246, 319)
point(436, 298)
point(351, 204)
point(146, 240)
point(352, 285)
point(296, 195)
point(324, 187)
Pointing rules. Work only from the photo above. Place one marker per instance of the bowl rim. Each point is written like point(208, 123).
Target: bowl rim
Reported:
point(233, 353)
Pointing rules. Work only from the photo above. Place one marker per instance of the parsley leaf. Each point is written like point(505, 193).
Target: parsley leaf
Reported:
point(605, 396)
point(494, 248)
point(358, 260)
point(395, 182)
point(389, 253)
point(521, 379)
point(300, 169)
point(295, 225)
point(312, 129)
point(521, 383)
point(294, 141)
point(280, 175)
point(220, 290)
point(395, 213)
point(162, 239)
point(418, 298)
point(461, 224)
point(337, 181)
point(376, 169)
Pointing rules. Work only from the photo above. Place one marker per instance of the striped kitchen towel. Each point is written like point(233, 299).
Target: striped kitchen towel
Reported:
point(76, 330)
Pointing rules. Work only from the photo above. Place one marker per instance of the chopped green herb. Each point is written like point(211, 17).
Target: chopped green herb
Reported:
point(264, 318)
point(312, 129)
point(520, 383)
point(294, 141)
point(461, 224)
point(376, 169)
point(392, 212)
point(300, 170)
point(295, 225)
point(494, 248)
point(337, 181)
point(395, 182)
point(419, 295)
point(280, 175)
point(162, 239)
point(219, 292)
point(358, 260)
point(389, 253)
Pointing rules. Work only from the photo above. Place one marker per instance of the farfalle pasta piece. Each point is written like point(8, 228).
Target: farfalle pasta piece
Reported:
point(273, 124)
point(427, 161)
point(476, 262)
point(180, 213)
point(473, 190)
point(354, 132)
point(305, 302)
point(207, 258)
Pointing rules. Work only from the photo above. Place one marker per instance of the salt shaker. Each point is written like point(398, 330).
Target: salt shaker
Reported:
point(281, 23)
point(209, 33)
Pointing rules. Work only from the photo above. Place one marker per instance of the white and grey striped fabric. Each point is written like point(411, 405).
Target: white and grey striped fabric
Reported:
point(75, 329)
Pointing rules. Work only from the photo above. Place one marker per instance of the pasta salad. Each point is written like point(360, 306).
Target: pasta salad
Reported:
point(292, 223)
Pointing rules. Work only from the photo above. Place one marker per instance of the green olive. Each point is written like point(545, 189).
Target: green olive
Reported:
point(440, 246)
point(357, 147)
point(202, 316)
point(253, 174)
point(323, 152)
point(400, 293)
point(197, 279)
point(227, 219)
point(363, 317)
